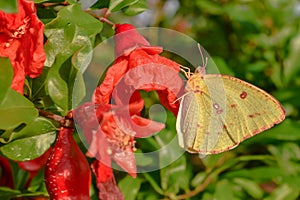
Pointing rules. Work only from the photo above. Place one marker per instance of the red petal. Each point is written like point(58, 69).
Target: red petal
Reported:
point(146, 127)
point(141, 56)
point(126, 160)
point(147, 75)
point(126, 38)
point(21, 39)
point(113, 75)
point(106, 182)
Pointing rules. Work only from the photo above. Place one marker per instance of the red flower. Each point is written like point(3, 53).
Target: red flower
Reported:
point(21, 39)
point(154, 72)
point(110, 132)
point(110, 129)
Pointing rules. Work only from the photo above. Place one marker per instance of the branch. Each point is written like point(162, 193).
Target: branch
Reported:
point(66, 121)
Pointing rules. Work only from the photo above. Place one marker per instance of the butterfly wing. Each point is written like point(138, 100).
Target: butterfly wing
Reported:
point(187, 120)
point(230, 111)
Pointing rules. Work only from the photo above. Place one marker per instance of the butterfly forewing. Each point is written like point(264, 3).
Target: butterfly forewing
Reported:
point(230, 111)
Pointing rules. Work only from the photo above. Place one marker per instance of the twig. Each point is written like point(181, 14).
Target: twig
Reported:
point(66, 121)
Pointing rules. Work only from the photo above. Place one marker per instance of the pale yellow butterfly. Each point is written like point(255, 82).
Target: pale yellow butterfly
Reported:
point(219, 111)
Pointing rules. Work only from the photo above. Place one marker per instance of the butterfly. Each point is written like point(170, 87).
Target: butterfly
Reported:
point(217, 112)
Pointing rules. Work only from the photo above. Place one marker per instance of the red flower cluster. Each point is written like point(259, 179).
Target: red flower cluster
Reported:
point(21, 39)
point(109, 128)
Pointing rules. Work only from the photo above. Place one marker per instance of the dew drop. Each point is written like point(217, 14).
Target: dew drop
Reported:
point(109, 151)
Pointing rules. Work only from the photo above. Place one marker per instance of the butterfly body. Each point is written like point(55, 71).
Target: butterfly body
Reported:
point(219, 111)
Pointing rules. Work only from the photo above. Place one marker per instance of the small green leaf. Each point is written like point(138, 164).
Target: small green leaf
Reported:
point(9, 6)
point(116, 5)
point(136, 8)
point(284, 192)
point(198, 179)
point(57, 88)
point(175, 176)
point(250, 186)
point(292, 65)
point(28, 148)
point(153, 183)
point(130, 187)
point(225, 190)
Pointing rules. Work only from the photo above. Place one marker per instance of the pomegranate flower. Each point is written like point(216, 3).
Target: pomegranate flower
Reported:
point(21, 39)
point(133, 51)
point(110, 129)
point(110, 132)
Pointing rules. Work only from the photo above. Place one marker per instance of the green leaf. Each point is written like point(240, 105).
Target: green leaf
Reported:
point(28, 148)
point(130, 187)
point(65, 86)
point(225, 190)
point(283, 192)
point(9, 6)
point(7, 193)
point(57, 88)
point(101, 4)
point(292, 66)
point(71, 34)
point(37, 85)
point(221, 66)
point(250, 186)
point(288, 130)
point(198, 179)
point(116, 5)
point(153, 183)
point(6, 75)
point(71, 31)
point(175, 176)
point(38, 126)
point(15, 110)
point(258, 174)
point(136, 8)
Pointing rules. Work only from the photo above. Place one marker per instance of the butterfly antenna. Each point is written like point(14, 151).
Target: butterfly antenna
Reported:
point(202, 58)
point(202, 69)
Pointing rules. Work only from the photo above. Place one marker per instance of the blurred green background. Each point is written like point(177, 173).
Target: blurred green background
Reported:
point(259, 42)
point(256, 41)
